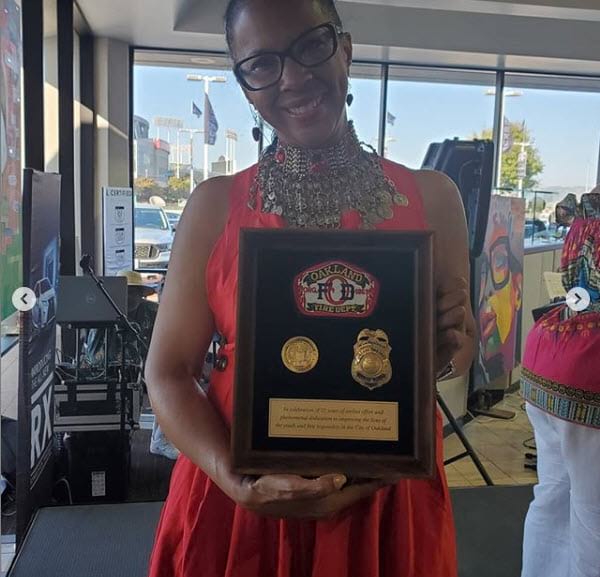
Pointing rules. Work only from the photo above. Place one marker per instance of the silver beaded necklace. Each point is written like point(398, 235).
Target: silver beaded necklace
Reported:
point(311, 188)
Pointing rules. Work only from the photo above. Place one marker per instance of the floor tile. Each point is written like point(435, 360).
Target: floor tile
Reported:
point(500, 446)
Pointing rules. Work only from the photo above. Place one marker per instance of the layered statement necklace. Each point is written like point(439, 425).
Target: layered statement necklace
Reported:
point(312, 188)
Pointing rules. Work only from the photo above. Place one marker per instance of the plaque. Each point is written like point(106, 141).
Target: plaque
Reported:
point(335, 354)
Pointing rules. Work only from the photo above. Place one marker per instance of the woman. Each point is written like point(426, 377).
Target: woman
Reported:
point(215, 523)
point(560, 383)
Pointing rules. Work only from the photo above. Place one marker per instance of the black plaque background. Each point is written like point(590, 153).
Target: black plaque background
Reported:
point(278, 318)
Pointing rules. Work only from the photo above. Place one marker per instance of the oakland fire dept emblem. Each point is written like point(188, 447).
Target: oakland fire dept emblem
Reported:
point(336, 289)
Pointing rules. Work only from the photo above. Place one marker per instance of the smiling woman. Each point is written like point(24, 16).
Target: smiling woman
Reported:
point(292, 60)
point(307, 105)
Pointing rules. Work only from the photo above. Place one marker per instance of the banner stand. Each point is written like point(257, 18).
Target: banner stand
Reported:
point(41, 233)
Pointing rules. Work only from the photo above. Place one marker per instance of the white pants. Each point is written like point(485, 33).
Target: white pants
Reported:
point(562, 528)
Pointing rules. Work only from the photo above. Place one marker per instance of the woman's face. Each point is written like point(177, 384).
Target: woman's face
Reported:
point(307, 106)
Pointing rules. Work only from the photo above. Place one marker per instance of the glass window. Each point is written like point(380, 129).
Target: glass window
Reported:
point(365, 87)
point(181, 136)
point(428, 105)
point(551, 145)
point(178, 130)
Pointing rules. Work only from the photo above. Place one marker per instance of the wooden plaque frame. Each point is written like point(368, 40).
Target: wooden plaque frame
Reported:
point(414, 247)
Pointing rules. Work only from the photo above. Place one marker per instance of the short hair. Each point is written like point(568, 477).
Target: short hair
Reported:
point(234, 7)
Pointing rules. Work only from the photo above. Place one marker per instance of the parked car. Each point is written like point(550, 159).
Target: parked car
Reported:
point(44, 311)
point(153, 237)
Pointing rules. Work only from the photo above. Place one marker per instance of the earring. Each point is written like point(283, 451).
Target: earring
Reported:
point(349, 99)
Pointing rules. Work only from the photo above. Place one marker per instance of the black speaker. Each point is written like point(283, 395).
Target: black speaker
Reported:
point(98, 466)
point(470, 164)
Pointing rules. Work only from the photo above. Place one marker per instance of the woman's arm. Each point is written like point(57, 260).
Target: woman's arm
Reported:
point(446, 216)
point(182, 334)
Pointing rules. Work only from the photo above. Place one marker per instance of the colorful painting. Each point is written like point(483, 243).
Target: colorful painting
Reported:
point(10, 154)
point(499, 291)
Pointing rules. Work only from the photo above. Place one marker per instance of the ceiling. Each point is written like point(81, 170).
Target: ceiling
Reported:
point(546, 35)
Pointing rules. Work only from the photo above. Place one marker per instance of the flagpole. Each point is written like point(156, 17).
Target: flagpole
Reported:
point(207, 117)
point(191, 162)
point(178, 156)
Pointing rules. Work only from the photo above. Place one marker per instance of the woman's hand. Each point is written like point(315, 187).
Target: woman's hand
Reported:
point(292, 496)
point(452, 302)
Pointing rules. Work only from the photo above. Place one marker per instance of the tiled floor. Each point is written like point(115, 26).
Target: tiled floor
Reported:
point(499, 445)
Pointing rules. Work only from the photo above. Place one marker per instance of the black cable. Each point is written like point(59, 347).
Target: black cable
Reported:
point(68, 486)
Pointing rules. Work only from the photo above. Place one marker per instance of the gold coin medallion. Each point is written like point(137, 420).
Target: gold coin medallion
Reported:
point(300, 354)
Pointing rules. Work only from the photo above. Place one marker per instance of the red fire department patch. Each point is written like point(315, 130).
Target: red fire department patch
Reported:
point(336, 289)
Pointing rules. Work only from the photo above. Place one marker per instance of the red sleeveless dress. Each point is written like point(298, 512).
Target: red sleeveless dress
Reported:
point(405, 530)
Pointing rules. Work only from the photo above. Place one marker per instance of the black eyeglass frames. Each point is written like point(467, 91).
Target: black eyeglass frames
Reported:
point(312, 48)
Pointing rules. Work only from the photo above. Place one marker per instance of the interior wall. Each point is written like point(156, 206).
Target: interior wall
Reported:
point(112, 124)
point(51, 132)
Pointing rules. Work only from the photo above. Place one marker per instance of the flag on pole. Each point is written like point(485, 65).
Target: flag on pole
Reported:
point(211, 126)
point(391, 118)
point(195, 110)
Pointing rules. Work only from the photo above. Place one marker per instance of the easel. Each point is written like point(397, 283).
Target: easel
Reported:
point(452, 157)
point(469, 451)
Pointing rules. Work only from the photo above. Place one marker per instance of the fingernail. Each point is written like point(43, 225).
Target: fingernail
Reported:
point(339, 481)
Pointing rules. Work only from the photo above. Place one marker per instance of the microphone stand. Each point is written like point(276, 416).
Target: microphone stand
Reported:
point(123, 321)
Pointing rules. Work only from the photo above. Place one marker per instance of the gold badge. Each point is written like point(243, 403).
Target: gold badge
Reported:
point(300, 354)
point(371, 364)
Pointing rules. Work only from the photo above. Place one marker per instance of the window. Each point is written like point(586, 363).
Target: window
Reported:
point(553, 144)
point(365, 87)
point(551, 127)
point(182, 136)
point(431, 105)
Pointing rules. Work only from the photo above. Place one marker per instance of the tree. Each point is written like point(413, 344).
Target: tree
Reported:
point(178, 188)
point(509, 177)
point(145, 187)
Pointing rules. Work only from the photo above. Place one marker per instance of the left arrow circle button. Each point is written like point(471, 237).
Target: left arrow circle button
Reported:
point(23, 299)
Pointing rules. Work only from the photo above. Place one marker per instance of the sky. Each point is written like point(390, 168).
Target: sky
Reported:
point(565, 125)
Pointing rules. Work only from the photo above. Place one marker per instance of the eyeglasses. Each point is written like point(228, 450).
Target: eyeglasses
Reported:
point(313, 48)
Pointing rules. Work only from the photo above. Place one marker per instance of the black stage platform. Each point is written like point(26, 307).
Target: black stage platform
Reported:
point(115, 540)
